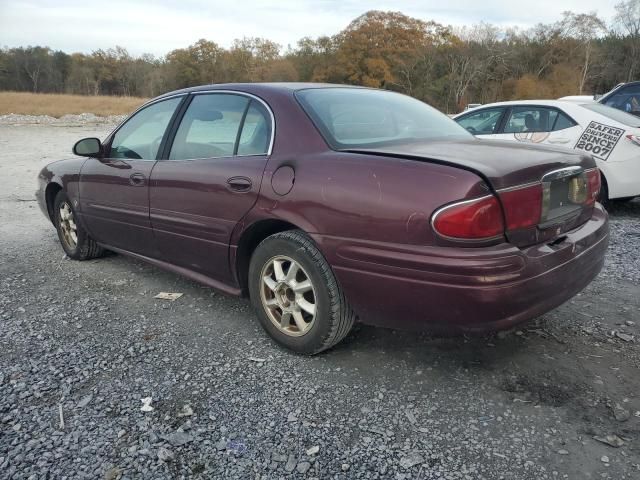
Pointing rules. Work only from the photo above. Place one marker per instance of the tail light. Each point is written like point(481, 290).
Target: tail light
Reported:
point(522, 206)
point(634, 139)
point(593, 182)
point(478, 219)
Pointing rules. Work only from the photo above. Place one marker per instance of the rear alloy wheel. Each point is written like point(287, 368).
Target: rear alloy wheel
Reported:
point(295, 294)
point(75, 241)
point(288, 296)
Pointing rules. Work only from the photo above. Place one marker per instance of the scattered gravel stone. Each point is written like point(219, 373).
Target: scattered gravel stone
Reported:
point(411, 460)
point(186, 411)
point(65, 120)
point(85, 401)
point(313, 450)
point(165, 455)
point(620, 413)
point(178, 439)
point(291, 463)
point(303, 467)
point(611, 440)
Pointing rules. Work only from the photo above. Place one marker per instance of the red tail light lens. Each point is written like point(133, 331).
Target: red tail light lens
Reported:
point(470, 220)
point(593, 180)
point(522, 206)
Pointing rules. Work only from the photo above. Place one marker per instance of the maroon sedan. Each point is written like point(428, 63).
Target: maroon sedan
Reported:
point(329, 204)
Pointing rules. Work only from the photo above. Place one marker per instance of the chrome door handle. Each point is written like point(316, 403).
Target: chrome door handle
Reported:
point(239, 184)
point(137, 179)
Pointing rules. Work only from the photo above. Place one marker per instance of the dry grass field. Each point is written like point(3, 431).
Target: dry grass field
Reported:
point(57, 105)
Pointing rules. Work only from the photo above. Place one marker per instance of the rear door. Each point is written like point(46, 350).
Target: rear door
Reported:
point(539, 124)
point(210, 178)
point(114, 191)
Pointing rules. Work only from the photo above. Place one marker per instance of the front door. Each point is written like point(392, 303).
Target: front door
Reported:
point(209, 180)
point(114, 191)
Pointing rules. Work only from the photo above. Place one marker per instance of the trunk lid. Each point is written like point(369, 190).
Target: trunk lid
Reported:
point(508, 165)
point(504, 164)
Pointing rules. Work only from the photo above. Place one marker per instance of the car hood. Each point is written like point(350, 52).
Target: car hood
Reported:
point(503, 163)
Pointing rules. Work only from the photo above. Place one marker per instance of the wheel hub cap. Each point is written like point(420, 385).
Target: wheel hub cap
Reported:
point(288, 296)
point(68, 226)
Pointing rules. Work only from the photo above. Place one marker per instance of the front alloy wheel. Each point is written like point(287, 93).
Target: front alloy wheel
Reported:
point(68, 226)
point(75, 240)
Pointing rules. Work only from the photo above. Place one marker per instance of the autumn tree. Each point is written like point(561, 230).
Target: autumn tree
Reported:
point(582, 30)
point(374, 47)
point(627, 26)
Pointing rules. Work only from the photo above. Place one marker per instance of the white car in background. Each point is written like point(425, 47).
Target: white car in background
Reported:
point(610, 135)
point(578, 98)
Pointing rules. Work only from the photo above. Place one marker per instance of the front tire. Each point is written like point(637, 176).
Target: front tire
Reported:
point(75, 241)
point(296, 295)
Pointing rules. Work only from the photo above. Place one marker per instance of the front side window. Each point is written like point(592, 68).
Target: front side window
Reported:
point(210, 127)
point(353, 118)
point(141, 135)
point(483, 122)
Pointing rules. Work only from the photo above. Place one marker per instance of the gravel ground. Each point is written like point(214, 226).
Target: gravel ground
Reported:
point(83, 343)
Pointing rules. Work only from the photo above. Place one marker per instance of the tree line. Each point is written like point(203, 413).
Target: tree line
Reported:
point(447, 67)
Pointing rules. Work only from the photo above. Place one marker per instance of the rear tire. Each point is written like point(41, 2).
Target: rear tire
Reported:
point(75, 241)
point(296, 295)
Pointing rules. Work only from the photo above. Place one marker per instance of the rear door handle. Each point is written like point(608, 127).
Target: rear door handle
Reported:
point(239, 184)
point(137, 179)
point(559, 140)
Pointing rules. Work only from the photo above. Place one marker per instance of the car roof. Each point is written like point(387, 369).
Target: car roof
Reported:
point(254, 86)
point(550, 103)
point(543, 103)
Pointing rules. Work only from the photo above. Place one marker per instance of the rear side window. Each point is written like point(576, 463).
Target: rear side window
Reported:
point(256, 131)
point(562, 121)
point(535, 119)
point(222, 125)
point(483, 122)
point(209, 127)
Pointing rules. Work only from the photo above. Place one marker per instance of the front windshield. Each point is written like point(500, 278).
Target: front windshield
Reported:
point(356, 118)
point(614, 114)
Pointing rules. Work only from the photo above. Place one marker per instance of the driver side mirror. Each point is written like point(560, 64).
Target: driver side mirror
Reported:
point(88, 147)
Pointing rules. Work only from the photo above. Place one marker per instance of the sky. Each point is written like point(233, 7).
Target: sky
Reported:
point(157, 27)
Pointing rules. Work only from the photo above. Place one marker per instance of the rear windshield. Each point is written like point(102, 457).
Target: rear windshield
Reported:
point(614, 114)
point(354, 118)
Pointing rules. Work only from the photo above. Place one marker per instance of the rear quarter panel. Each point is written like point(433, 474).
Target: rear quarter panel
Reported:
point(367, 197)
